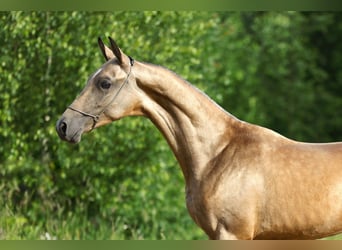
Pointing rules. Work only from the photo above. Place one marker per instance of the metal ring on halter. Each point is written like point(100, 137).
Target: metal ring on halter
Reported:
point(97, 117)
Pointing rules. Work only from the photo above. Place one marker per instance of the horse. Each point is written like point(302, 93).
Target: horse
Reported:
point(242, 181)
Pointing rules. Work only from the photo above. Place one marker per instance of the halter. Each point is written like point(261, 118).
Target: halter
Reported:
point(97, 117)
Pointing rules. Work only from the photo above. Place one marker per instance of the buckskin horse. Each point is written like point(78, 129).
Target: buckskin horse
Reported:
point(243, 181)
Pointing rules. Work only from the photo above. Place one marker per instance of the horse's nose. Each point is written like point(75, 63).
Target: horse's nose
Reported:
point(61, 128)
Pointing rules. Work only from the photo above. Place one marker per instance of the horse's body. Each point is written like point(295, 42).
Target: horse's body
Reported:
point(242, 181)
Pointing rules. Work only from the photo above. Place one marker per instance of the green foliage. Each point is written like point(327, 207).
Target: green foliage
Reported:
point(280, 70)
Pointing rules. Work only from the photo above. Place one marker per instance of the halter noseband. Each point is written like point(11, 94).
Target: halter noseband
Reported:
point(97, 117)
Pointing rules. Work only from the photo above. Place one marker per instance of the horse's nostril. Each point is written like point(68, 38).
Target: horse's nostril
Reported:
point(61, 128)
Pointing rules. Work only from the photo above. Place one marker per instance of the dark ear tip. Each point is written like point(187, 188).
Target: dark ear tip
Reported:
point(102, 47)
point(99, 41)
point(112, 41)
point(116, 50)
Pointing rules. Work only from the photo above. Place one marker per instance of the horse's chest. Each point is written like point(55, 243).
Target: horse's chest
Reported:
point(192, 207)
point(199, 210)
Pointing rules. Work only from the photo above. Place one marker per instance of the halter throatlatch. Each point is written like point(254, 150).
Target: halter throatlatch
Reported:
point(97, 117)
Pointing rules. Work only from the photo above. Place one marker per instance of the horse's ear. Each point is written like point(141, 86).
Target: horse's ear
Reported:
point(107, 52)
point(116, 50)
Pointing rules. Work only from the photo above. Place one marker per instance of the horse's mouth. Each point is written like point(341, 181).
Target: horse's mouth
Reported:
point(76, 138)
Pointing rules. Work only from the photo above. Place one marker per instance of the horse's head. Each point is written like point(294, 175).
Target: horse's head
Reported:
point(110, 94)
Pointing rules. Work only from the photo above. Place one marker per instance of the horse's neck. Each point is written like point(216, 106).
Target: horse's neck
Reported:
point(195, 127)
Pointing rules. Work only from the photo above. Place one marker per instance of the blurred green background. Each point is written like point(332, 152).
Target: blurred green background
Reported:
point(282, 70)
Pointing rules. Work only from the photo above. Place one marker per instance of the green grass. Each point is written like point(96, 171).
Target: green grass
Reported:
point(17, 227)
point(72, 226)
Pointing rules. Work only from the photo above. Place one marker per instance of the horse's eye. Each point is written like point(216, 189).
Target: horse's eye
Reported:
point(105, 84)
